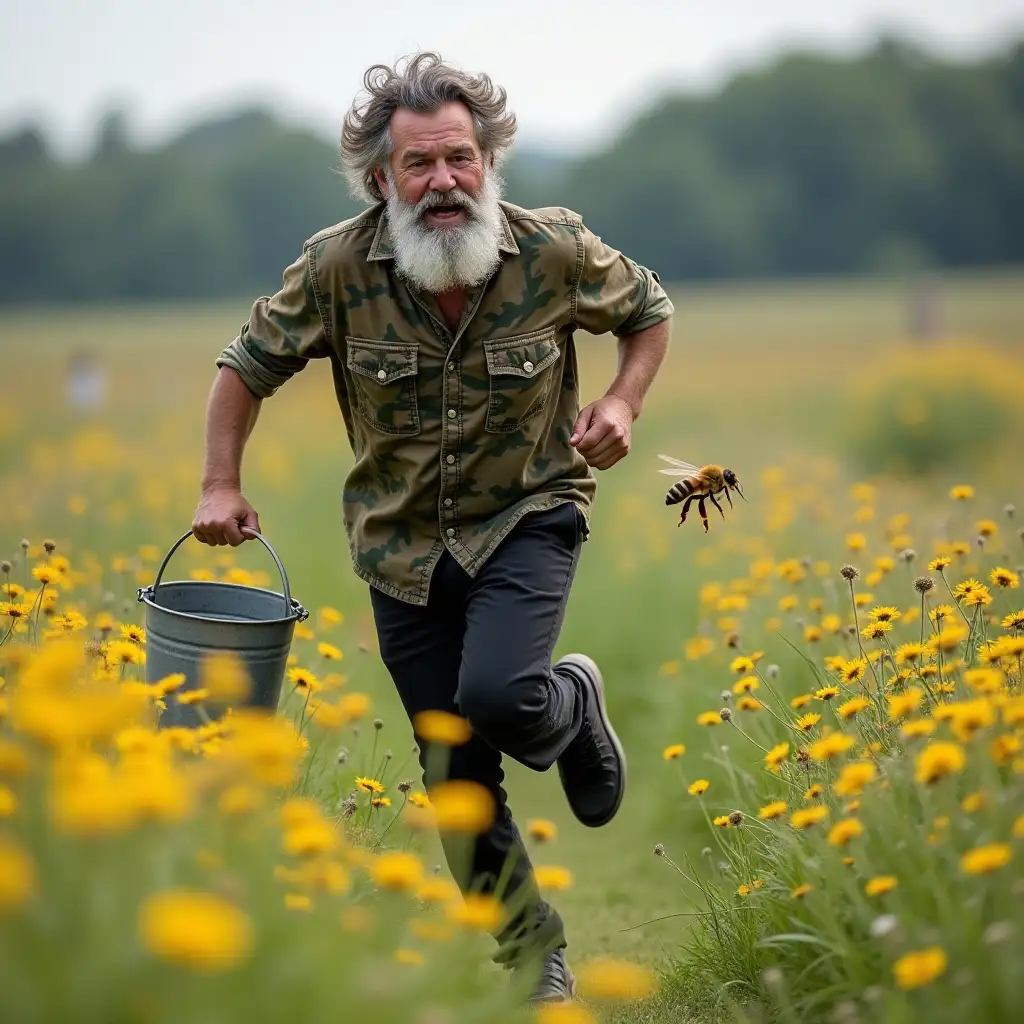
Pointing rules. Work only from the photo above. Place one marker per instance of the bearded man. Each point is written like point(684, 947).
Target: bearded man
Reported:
point(449, 319)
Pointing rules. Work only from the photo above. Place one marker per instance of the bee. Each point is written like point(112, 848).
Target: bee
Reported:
point(700, 484)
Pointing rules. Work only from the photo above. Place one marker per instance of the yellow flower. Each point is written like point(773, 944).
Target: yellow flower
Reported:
point(476, 912)
point(408, 957)
point(297, 901)
point(564, 1013)
point(773, 810)
point(698, 646)
point(815, 791)
point(329, 651)
point(852, 707)
point(886, 613)
point(303, 679)
point(831, 623)
point(609, 979)
point(1005, 578)
point(875, 630)
point(442, 727)
point(311, 839)
point(800, 701)
point(748, 704)
point(742, 665)
point(722, 821)
point(225, 678)
point(807, 722)
point(397, 870)
point(193, 696)
point(197, 930)
point(699, 787)
point(801, 891)
point(830, 746)
point(843, 831)
point(1018, 828)
point(856, 541)
point(962, 492)
point(967, 717)
point(746, 685)
point(987, 527)
point(541, 830)
point(808, 816)
point(674, 751)
point(880, 885)
point(46, 574)
point(435, 889)
point(369, 785)
point(920, 968)
point(18, 877)
point(983, 859)
point(354, 706)
point(744, 890)
point(553, 877)
point(938, 760)
point(775, 756)
point(827, 692)
point(903, 704)
point(709, 718)
point(462, 806)
point(854, 777)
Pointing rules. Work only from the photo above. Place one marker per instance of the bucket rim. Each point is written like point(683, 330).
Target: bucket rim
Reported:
point(298, 613)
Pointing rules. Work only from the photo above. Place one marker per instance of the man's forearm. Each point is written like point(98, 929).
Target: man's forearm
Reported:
point(231, 414)
point(640, 356)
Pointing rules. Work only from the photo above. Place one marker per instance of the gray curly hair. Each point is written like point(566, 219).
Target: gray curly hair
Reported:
point(424, 84)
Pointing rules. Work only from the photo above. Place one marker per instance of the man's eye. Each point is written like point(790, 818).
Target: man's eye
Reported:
point(461, 161)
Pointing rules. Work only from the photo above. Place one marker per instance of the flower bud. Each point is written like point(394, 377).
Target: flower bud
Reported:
point(659, 850)
point(849, 572)
point(923, 584)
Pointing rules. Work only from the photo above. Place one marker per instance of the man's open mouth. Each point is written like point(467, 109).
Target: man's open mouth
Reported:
point(445, 212)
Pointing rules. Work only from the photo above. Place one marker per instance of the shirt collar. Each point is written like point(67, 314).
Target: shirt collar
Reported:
point(381, 248)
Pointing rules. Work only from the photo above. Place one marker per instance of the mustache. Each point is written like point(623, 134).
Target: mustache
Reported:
point(453, 197)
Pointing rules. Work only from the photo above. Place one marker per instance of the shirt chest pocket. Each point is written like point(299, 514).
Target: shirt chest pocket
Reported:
point(384, 384)
point(522, 373)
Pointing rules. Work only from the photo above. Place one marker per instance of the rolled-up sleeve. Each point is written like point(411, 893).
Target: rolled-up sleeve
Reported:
point(615, 294)
point(283, 332)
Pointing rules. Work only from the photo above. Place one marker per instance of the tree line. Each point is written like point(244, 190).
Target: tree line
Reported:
point(889, 160)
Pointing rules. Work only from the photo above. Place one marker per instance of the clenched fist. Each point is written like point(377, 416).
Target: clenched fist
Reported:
point(602, 431)
point(221, 516)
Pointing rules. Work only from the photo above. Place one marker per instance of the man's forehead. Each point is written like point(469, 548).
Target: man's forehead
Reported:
point(450, 126)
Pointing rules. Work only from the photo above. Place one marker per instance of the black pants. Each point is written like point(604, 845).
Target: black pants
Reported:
point(481, 648)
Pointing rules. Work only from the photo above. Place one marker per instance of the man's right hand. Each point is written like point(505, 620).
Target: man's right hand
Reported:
point(220, 516)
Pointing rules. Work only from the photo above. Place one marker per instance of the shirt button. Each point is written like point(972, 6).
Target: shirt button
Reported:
point(382, 375)
point(450, 531)
point(451, 414)
point(448, 503)
point(450, 459)
point(528, 366)
point(451, 367)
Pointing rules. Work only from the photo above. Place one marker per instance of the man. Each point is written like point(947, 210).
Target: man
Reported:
point(449, 317)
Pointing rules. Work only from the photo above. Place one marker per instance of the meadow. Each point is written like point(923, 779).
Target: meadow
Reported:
point(893, 892)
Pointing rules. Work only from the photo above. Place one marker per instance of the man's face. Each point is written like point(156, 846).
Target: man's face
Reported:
point(435, 152)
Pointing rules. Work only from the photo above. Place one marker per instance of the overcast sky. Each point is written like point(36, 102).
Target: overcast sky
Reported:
point(574, 69)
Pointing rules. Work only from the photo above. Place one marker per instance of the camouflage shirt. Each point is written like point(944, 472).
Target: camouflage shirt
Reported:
point(456, 434)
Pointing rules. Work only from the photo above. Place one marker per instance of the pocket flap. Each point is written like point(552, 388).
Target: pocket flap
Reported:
point(382, 361)
point(524, 356)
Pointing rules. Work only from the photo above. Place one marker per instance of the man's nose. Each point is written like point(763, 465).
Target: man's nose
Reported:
point(441, 178)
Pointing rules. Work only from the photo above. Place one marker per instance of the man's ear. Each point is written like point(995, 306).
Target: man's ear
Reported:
point(382, 182)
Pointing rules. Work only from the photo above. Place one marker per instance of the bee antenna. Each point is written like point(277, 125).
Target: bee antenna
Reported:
point(739, 492)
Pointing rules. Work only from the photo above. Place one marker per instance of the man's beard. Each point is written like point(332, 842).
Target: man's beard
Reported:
point(438, 259)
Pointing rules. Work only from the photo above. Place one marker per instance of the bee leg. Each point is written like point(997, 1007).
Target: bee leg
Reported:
point(702, 509)
point(715, 503)
point(684, 510)
point(728, 498)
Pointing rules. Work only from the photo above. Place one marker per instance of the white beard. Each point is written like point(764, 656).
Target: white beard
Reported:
point(438, 259)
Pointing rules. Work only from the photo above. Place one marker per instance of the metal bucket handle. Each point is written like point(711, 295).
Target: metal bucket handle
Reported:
point(289, 604)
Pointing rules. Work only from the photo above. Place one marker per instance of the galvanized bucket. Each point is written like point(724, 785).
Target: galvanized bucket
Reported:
point(186, 620)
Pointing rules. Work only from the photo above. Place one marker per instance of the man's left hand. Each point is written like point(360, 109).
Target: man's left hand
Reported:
point(602, 431)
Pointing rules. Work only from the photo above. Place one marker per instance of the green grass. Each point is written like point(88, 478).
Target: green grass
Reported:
point(758, 376)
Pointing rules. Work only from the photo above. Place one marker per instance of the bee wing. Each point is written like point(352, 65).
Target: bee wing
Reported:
point(681, 468)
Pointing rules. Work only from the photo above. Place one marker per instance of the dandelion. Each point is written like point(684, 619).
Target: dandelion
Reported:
point(807, 722)
point(830, 746)
point(880, 885)
point(808, 816)
point(973, 802)
point(774, 757)
point(843, 831)
point(854, 777)
point(1005, 578)
point(984, 859)
point(609, 979)
point(914, 970)
point(938, 760)
point(773, 810)
point(699, 787)
point(196, 930)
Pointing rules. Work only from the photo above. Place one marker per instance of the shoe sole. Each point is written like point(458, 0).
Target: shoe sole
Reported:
point(588, 667)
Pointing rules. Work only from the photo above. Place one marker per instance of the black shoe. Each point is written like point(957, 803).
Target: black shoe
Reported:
point(593, 766)
point(556, 983)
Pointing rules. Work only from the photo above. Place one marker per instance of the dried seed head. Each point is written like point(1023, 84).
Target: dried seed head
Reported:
point(93, 648)
point(5, 567)
point(773, 671)
point(799, 622)
point(844, 1013)
point(49, 546)
point(404, 786)
point(25, 544)
point(851, 629)
point(908, 555)
point(1009, 510)
point(771, 978)
point(725, 696)
point(997, 932)
point(725, 715)
point(732, 640)
point(807, 561)
point(706, 851)
point(980, 540)
point(659, 849)
point(849, 572)
point(348, 806)
point(342, 756)
point(883, 925)
point(388, 755)
point(802, 755)
point(378, 724)
point(736, 818)
point(923, 584)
